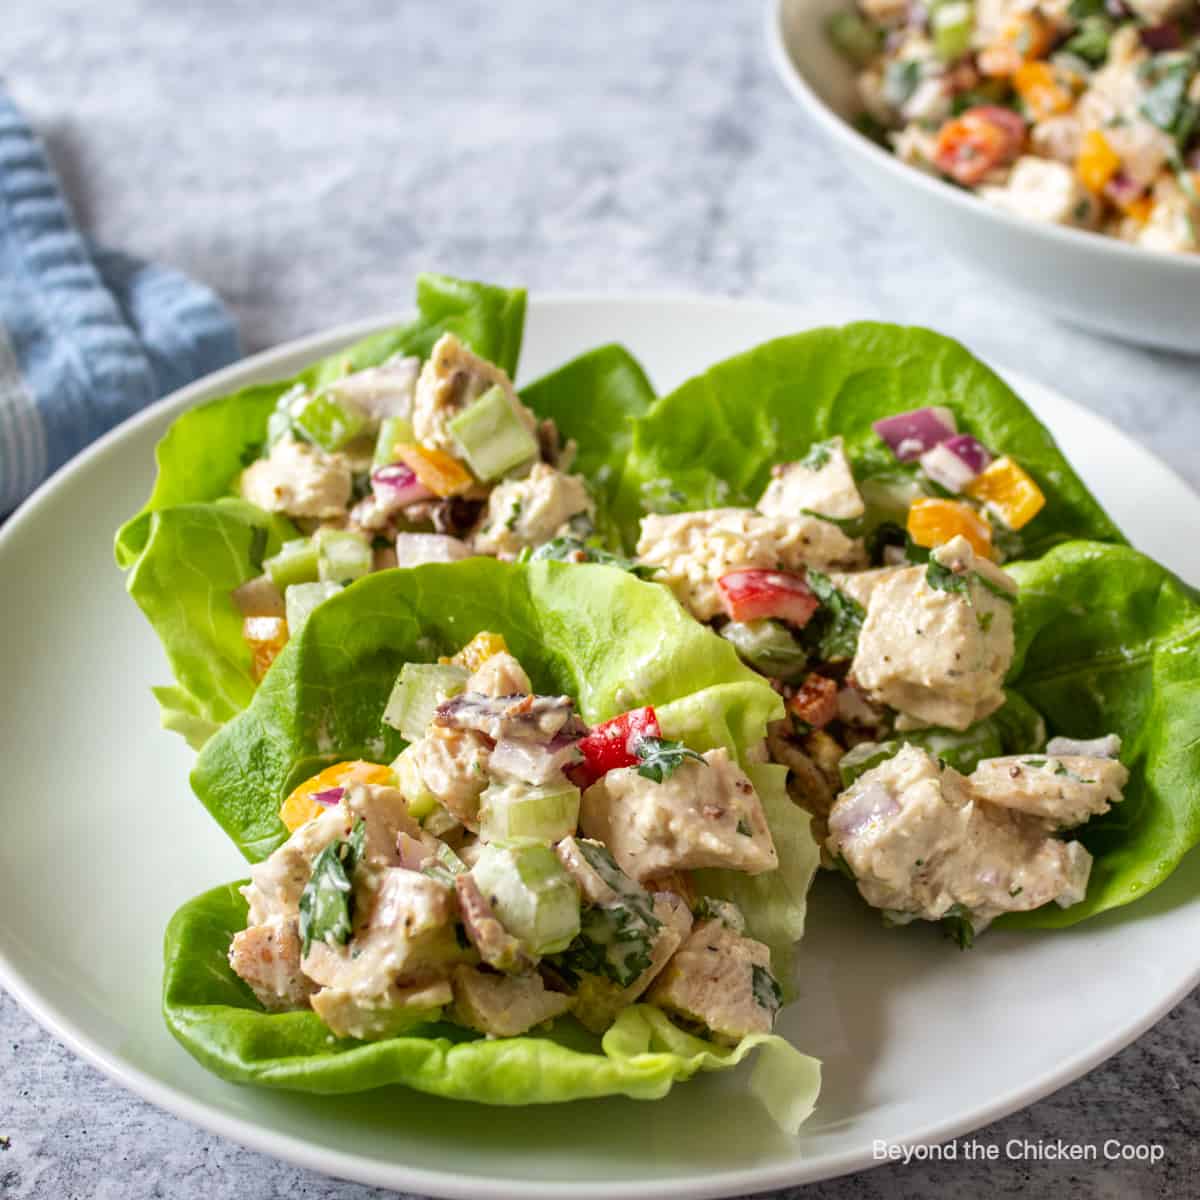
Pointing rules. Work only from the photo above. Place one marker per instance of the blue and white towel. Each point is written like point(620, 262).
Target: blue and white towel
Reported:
point(88, 336)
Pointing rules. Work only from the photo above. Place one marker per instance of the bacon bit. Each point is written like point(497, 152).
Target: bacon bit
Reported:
point(815, 701)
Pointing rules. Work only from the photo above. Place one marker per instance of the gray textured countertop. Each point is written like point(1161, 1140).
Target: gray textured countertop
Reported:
point(307, 161)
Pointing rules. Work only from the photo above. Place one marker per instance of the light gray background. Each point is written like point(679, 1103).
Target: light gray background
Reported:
point(307, 160)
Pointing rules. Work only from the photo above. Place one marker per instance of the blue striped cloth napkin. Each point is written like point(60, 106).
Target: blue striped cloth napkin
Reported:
point(88, 336)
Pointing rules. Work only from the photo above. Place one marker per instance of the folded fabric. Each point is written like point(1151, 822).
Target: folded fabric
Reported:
point(87, 336)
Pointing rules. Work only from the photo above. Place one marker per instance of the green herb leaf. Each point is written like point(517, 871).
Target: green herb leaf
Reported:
point(768, 994)
point(958, 927)
point(614, 942)
point(575, 550)
point(817, 457)
point(327, 902)
point(833, 631)
point(660, 759)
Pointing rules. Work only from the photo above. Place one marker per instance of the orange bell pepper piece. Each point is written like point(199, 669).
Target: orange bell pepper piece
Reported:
point(1040, 88)
point(1098, 162)
point(479, 649)
point(1009, 491)
point(265, 636)
point(934, 522)
point(440, 472)
point(300, 807)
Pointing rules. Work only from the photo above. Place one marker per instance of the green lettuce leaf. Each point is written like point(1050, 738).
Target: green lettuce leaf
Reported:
point(215, 1016)
point(186, 550)
point(592, 632)
point(713, 441)
point(1107, 642)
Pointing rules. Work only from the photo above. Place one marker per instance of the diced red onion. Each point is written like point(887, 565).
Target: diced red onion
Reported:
point(396, 486)
point(329, 797)
point(1122, 190)
point(955, 462)
point(1167, 36)
point(853, 813)
point(534, 762)
point(910, 434)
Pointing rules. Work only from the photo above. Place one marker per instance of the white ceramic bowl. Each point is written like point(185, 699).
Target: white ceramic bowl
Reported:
point(1145, 296)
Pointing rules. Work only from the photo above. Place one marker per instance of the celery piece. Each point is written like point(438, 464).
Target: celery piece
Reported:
point(300, 600)
point(421, 801)
point(342, 556)
point(393, 432)
point(491, 436)
point(420, 688)
point(516, 810)
point(531, 894)
point(295, 563)
point(767, 647)
point(328, 422)
point(952, 26)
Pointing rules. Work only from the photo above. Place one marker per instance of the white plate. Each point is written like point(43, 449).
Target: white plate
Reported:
point(1112, 286)
point(103, 841)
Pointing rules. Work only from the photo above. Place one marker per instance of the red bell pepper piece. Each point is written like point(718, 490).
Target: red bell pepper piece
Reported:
point(758, 595)
point(613, 744)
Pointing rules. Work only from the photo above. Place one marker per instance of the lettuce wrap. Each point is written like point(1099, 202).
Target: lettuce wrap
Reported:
point(597, 634)
point(194, 542)
point(713, 441)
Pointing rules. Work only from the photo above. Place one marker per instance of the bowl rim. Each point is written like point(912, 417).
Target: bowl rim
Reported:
point(837, 127)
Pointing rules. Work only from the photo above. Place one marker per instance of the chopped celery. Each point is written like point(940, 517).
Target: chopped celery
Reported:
point(421, 801)
point(768, 647)
point(328, 422)
point(492, 438)
point(342, 556)
point(393, 432)
point(515, 810)
point(863, 757)
point(300, 600)
point(531, 894)
point(295, 563)
point(420, 688)
point(853, 38)
point(445, 865)
point(952, 25)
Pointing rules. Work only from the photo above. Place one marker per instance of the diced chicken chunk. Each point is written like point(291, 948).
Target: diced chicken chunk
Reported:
point(1043, 190)
point(1059, 138)
point(299, 480)
point(504, 1005)
point(376, 1015)
point(384, 811)
point(379, 392)
point(704, 814)
point(416, 549)
point(920, 843)
point(277, 882)
point(527, 512)
point(1173, 221)
point(859, 585)
point(1108, 746)
point(939, 654)
point(600, 999)
point(267, 957)
point(451, 380)
point(720, 980)
point(403, 930)
point(693, 550)
point(497, 947)
point(1064, 790)
point(1156, 12)
point(453, 765)
point(500, 675)
point(821, 482)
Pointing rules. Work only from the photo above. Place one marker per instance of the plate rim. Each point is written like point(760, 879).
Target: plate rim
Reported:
point(443, 1183)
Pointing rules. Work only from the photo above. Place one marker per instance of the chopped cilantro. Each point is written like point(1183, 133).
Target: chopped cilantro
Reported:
point(834, 629)
point(514, 516)
point(743, 827)
point(817, 457)
point(660, 759)
point(767, 992)
point(958, 927)
point(327, 902)
point(1015, 891)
